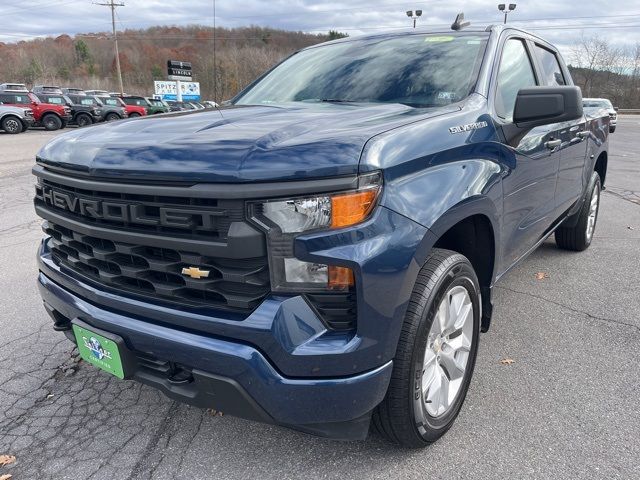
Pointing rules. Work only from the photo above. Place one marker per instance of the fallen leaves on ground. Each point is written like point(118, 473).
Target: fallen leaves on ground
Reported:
point(541, 275)
point(6, 476)
point(507, 361)
point(214, 412)
point(6, 460)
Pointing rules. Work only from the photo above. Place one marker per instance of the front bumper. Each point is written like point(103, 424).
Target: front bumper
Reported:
point(229, 376)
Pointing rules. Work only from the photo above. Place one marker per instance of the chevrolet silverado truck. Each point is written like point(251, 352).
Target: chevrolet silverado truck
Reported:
point(321, 253)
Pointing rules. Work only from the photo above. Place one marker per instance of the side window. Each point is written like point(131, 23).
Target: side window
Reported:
point(515, 72)
point(551, 71)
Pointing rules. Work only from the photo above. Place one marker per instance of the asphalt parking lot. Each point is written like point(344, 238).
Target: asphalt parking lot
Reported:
point(567, 407)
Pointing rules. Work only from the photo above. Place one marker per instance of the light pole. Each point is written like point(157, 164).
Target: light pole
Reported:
point(414, 14)
point(503, 8)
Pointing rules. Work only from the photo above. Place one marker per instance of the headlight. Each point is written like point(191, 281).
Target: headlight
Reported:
point(284, 219)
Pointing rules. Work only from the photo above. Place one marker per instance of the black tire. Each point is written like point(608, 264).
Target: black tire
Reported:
point(110, 117)
point(134, 115)
point(84, 120)
point(12, 125)
point(52, 122)
point(402, 416)
point(577, 237)
point(612, 129)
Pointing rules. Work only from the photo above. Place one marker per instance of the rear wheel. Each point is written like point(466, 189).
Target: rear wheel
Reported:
point(134, 115)
point(578, 237)
point(83, 120)
point(51, 122)
point(112, 117)
point(12, 125)
point(436, 353)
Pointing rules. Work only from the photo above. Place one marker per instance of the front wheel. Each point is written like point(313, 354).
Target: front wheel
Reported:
point(612, 129)
point(12, 125)
point(134, 115)
point(112, 117)
point(84, 120)
point(52, 122)
point(436, 353)
point(579, 236)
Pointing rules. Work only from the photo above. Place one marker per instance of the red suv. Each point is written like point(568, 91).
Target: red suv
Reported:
point(132, 110)
point(47, 115)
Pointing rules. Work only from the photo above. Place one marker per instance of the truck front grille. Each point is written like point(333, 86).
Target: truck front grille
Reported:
point(157, 272)
point(163, 215)
point(137, 245)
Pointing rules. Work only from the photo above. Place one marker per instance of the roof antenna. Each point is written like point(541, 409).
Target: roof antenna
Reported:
point(459, 24)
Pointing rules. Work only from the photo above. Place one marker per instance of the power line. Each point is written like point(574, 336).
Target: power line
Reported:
point(48, 3)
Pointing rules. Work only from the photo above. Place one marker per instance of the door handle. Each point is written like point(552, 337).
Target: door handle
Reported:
point(551, 144)
point(582, 135)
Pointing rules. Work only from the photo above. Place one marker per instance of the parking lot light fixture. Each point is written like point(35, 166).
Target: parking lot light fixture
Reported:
point(506, 9)
point(414, 14)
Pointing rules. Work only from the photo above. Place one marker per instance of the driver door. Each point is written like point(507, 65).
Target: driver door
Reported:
point(529, 185)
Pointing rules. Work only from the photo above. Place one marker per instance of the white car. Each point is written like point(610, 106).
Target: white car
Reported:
point(606, 105)
point(15, 119)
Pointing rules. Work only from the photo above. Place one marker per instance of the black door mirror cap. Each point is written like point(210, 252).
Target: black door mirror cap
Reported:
point(536, 106)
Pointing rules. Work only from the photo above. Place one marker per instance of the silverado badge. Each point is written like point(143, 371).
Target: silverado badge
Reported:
point(195, 272)
point(468, 127)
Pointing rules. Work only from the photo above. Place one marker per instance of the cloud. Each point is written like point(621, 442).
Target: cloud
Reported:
point(560, 22)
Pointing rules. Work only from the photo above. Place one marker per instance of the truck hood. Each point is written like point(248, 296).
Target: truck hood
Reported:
point(236, 144)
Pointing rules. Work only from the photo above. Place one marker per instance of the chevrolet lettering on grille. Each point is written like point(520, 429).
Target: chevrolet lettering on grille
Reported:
point(173, 217)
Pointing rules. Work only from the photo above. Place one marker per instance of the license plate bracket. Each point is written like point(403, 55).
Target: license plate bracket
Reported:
point(104, 350)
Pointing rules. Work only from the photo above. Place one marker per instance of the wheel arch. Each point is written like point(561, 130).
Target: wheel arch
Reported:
point(601, 166)
point(472, 229)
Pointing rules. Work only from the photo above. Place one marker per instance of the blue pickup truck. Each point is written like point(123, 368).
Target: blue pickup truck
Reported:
point(320, 253)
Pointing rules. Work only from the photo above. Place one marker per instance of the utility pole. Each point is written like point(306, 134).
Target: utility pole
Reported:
point(215, 72)
point(113, 6)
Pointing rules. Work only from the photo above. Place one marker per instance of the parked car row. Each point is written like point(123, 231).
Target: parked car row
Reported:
point(52, 107)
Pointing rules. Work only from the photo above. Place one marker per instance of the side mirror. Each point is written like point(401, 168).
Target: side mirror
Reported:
point(616, 108)
point(536, 106)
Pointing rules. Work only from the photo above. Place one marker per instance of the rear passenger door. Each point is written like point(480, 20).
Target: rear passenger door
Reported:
point(529, 185)
point(573, 149)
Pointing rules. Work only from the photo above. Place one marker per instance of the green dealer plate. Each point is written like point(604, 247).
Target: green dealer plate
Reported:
point(99, 351)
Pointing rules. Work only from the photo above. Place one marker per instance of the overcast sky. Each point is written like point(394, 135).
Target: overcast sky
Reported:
point(560, 21)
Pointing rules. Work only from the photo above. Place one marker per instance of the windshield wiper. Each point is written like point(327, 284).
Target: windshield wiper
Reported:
point(331, 100)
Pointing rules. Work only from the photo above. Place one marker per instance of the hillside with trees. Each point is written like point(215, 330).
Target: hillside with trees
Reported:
point(241, 54)
point(88, 60)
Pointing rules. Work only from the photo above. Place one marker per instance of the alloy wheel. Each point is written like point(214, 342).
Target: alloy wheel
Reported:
point(593, 212)
point(447, 353)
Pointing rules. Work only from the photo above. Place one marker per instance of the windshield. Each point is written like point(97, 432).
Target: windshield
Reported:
point(417, 70)
point(597, 104)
